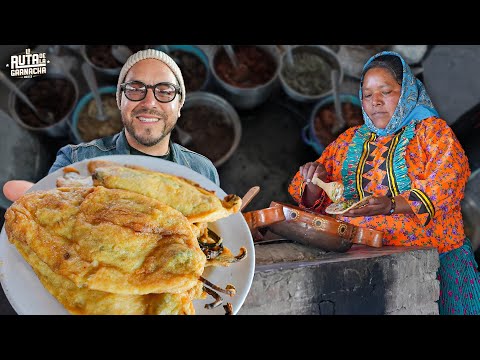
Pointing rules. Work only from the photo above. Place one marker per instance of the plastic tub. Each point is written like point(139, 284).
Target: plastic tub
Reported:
point(210, 139)
point(84, 101)
point(247, 97)
point(311, 74)
point(61, 128)
point(105, 63)
point(309, 136)
point(189, 74)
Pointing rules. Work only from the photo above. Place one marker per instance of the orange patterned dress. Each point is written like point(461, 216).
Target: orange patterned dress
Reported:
point(423, 162)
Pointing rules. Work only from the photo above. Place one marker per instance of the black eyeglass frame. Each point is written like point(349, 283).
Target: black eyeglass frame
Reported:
point(175, 86)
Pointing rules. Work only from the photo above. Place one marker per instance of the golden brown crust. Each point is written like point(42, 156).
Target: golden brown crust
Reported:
point(188, 197)
point(108, 239)
point(122, 248)
point(83, 301)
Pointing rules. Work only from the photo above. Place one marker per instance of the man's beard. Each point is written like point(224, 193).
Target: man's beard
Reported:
point(147, 139)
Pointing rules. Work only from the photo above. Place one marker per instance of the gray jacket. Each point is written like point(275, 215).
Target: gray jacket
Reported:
point(117, 145)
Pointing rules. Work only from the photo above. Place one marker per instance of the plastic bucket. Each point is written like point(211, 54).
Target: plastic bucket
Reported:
point(306, 76)
point(81, 104)
point(308, 134)
point(206, 130)
point(246, 98)
point(61, 128)
point(188, 73)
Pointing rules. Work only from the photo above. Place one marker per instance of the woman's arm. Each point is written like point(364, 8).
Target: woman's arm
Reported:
point(439, 185)
point(438, 180)
point(310, 196)
point(382, 205)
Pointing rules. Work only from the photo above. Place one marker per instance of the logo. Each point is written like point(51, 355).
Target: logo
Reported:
point(28, 65)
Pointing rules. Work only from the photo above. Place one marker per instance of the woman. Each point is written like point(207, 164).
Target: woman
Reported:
point(411, 162)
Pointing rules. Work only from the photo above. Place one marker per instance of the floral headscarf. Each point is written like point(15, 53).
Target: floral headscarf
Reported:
point(414, 103)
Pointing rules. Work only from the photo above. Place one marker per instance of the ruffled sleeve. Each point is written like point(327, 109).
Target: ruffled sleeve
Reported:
point(332, 158)
point(439, 185)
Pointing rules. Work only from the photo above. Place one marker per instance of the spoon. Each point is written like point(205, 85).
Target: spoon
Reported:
point(46, 117)
point(241, 71)
point(89, 75)
point(249, 195)
point(333, 189)
point(340, 123)
point(231, 55)
point(289, 55)
point(184, 138)
point(121, 53)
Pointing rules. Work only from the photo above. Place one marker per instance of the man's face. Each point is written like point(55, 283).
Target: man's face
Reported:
point(149, 121)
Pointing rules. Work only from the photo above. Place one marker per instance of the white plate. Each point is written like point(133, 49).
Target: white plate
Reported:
point(28, 296)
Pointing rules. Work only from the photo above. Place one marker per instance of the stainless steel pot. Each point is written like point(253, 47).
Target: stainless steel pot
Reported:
point(323, 52)
point(61, 128)
point(203, 98)
point(247, 98)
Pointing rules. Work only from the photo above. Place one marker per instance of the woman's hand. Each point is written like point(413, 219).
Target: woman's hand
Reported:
point(377, 205)
point(312, 192)
point(310, 169)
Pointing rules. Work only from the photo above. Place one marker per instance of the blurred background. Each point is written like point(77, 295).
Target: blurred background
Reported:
point(257, 111)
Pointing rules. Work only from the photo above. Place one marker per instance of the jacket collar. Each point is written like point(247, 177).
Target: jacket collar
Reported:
point(123, 146)
point(121, 143)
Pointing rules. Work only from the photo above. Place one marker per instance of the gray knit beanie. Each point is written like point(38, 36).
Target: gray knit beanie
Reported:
point(150, 54)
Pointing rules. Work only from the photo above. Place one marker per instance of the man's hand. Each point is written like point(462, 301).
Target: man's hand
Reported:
point(14, 189)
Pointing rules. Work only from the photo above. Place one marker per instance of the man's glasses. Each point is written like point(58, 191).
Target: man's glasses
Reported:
point(164, 92)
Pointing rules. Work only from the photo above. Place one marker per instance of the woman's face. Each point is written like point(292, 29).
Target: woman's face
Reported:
point(380, 94)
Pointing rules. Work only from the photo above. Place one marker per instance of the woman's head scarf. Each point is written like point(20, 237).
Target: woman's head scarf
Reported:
point(414, 103)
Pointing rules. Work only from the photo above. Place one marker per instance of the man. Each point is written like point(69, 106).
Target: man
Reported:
point(150, 95)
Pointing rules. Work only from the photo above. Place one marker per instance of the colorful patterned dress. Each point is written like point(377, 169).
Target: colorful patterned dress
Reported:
point(416, 156)
point(429, 171)
point(434, 164)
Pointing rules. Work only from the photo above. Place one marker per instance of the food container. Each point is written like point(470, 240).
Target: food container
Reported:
point(251, 83)
point(56, 92)
point(85, 125)
point(309, 78)
point(214, 125)
point(353, 57)
point(193, 62)
point(100, 58)
point(318, 133)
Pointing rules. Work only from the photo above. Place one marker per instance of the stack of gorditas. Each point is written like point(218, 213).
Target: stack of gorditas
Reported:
point(125, 240)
